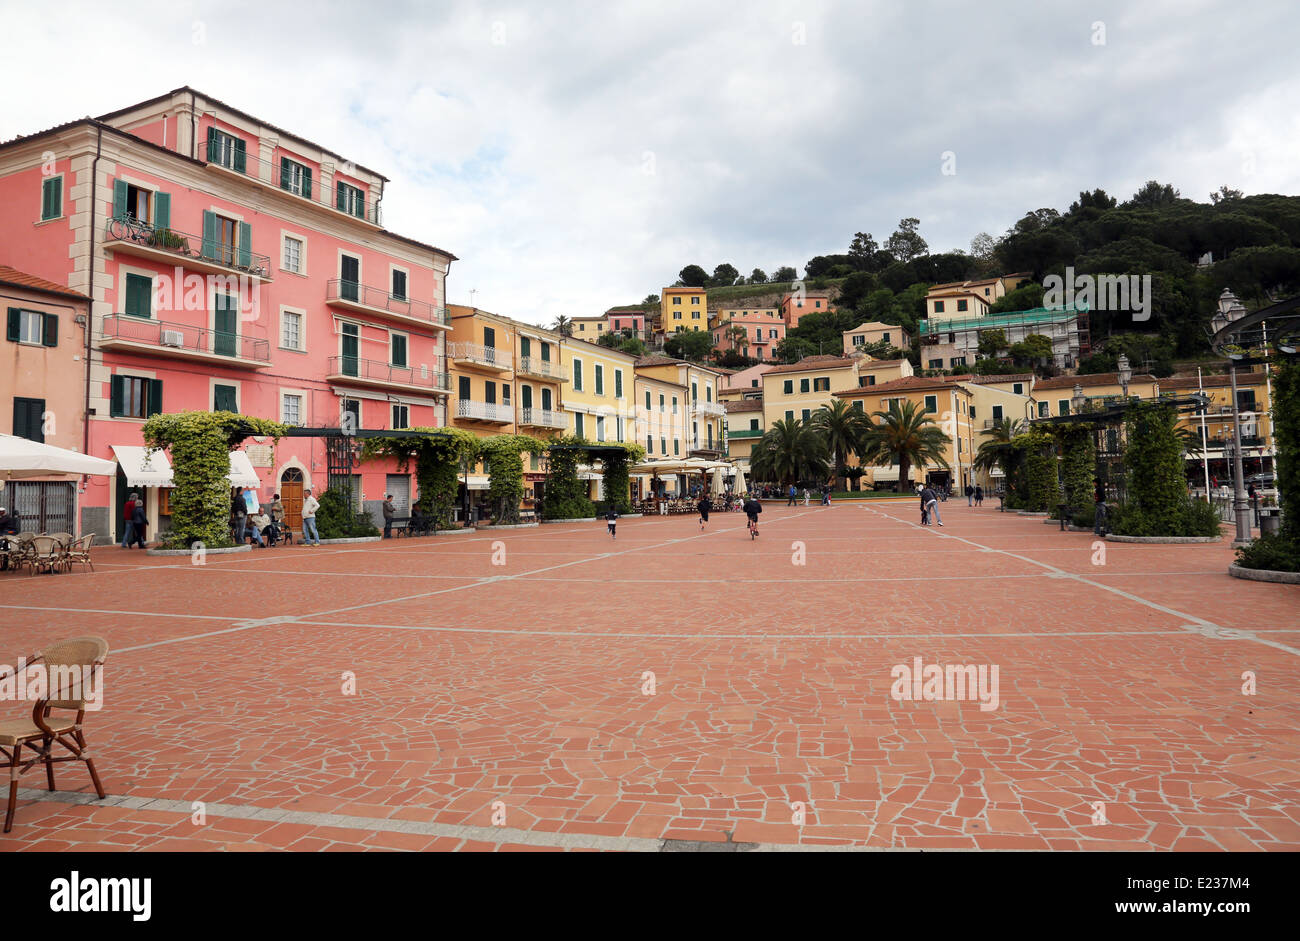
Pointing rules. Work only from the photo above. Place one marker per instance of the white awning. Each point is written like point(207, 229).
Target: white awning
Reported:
point(476, 481)
point(996, 472)
point(21, 458)
point(242, 473)
point(142, 467)
point(884, 473)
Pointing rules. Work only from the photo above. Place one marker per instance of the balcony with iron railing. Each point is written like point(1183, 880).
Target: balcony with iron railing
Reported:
point(745, 433)
point(472, 410)
point(474, 354)
point(376, 301)
point(352, 370)
point(542, 368)
point(270, 174)
point(709, 408)
point(128, 333)
point(172, 246)
point(542, 418)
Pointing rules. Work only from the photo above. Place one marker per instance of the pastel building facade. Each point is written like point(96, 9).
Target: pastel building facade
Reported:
point(231, 265)
point(704, 410)
point(751, 332)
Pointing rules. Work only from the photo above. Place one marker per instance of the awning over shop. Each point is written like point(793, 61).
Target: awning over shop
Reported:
point(476, 481)
point(142, 467)
point(884, 473)
point(22, 458)
point(242, 473)
point(996, 472)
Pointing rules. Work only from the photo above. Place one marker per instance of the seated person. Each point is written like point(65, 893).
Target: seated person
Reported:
point(419, 522)
point(258, 525)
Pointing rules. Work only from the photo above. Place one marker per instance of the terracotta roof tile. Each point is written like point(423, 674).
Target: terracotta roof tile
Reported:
point(907, 383)
point(826, 361)
point(744, 405)
point(16, 278)
point(1087, 381)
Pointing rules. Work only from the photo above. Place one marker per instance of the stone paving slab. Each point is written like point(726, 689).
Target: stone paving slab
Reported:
point(507, 707)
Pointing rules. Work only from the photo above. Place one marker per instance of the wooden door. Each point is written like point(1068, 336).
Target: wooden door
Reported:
point(291, 498)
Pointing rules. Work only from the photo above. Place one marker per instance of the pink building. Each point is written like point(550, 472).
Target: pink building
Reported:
point(626, 318)
point(751, 332)
point(795, 305)
point(231, 266)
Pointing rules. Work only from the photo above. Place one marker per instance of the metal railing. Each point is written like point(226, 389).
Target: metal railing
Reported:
point(339, 290)
point(709, 408)
point(543, 417)
point(354, 367)
point(746, 433)
point(482, 355)
point(269, 171)
point(542, 367)
point(184, 245)
point(484, 411)
point(185, 337)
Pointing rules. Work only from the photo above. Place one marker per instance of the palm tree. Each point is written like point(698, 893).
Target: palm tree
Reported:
point(790, 451)
point(738, 336)
point(843, 427)
point(906, 434)
point(563, 326)
point(997, 449)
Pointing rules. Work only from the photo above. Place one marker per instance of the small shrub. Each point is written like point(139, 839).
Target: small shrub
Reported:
point(1086, 517)
point(1188, 518)
point(336, 519)
point(1272, 553)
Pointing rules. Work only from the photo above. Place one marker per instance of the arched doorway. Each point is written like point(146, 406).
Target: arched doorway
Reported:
point(291, 486)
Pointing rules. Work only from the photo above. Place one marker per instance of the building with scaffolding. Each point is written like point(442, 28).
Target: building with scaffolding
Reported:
point(953, 342)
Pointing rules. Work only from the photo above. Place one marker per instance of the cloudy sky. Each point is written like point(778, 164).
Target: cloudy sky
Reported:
point(577, 155)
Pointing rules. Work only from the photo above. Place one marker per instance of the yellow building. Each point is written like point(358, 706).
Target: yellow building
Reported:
point(1258, 446)
point(744, 429)
point(797, 390)
point(682, 309)
point(948, 402)
point(598, 395)
point(875, 331)
point(540, 375)
point(589, 328)
point(962, 299)
point(480, 359)
point(661, 416)
point(1052, 396)
point(704, 410)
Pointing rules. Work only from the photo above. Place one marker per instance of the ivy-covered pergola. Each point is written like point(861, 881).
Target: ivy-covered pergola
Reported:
point(565, 493)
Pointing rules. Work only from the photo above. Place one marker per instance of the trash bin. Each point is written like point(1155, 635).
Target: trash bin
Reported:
point(1270, 521)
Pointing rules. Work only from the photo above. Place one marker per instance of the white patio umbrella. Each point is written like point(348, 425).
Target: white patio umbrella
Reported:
point(21, 459)
point(740, 480)
point(718, 485)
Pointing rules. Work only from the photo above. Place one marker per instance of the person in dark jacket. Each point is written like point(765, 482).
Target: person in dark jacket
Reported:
point(390, 511)
point(611, 520)
point(239, 517)
point(128, 511)
point(703, 507)
point(138, 523)
point(752, 509)
point(8, 527)
point(979, 495)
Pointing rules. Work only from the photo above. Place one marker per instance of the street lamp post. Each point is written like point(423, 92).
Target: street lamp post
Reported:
point(1240, 502)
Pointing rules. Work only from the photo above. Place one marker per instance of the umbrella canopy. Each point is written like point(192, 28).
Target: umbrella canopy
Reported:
point(740, 480)
point(21, 459)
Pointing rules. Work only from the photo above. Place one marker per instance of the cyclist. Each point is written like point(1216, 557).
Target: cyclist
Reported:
point(752, 509)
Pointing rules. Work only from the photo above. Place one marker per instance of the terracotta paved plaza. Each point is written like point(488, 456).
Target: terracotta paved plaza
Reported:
point(517, 690)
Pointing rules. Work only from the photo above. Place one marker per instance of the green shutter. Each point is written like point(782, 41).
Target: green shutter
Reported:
point(116, 394)
point(223, 399)
point(119, 199)
point(15, 328)
point(306, 182)
point(210, 230)
point(212, 141)
point(524, 347)
point(245, 244)
point(154, 397)
point(340, 203)
point(162, 210)
point(52, 198)
point(139, 302)
point(285, 175)
point(50, 330)
point(240, 159)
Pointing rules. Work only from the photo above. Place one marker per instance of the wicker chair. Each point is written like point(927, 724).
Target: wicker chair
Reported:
point(40, 733)
point(44, 553)
point(18, 546)
point(79, 552)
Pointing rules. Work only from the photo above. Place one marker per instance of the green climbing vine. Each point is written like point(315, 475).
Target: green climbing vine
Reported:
point(1078, 464)
point(437, 460)
point(506, 473)
point(1156, 499)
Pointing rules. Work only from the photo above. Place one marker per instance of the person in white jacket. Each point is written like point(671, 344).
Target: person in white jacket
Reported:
point(310, 504)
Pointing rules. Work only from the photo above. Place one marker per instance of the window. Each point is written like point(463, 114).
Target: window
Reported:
point(817, 304)
point(1042, 410)
point(695, 299)
point(961, 306)
point(806, 413)
point(1018, 388)
point(972, 411)
point(695, 315)
point(677, 315)
point(578, 424)
point(708, 393)
point(600, 379)
point(132, 397)
point(225, 399)
point(600, 428)
point(789, 415)
point(649, 444)
point(695, 392)
point(33, 327)
point(618, 383)
point(291, 409)
point(884, 337)
point(226, 150)
point(546, 352)
point(938, 307)
point(505, 393)
point(859, 340)
point(997, 413)
point(647, 400)
point(674, 405)
point(788, 388)
point(350, 200)
point(490, 393)
point(857, 403)
point(52, 198)
point(295, 177)
point(139, 296)
point(352, 407)
point(753, 424)
point(397, 349)
point(1245, 400)
point(663, 446)
point(661, 403)
point(577, 375)
point(935, 364)
point(804, 384)
point(401, 416)
point(677, 300)
point(932, 403)
point(292, 255)
point(399, 285)
point(822, 384)
point(959, 361)
point(1063, 407)
point(291, 330)
point(677, 446)
point(29, 419)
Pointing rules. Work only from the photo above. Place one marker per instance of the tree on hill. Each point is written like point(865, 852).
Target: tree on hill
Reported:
point(906, 242)
point(694, 345)
point(724, 275)
point(758, 276)
point(1154, 195)
point(1225, 194)
point(651, 299)
point(1026, 297)
point(693, 276)
point(785, 273)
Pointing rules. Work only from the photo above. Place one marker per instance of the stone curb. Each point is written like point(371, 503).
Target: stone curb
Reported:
point(493, 526)
point(346, 539)
point(1264, 575)
point(583, 519)
point(1163, 540)
point(177, 552)
point(454, 532)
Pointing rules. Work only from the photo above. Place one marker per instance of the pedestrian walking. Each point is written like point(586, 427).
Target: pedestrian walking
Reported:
point(970, 495)
point(390, 511)
point(793, 495)
point(930, 504)
point(979, 495)
point(611, 521)
point(752, 508)
point(805, 496)
point(138, 523)
point(128, 512)
point(310, 505)
point(703, 507)
point(239, 516)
